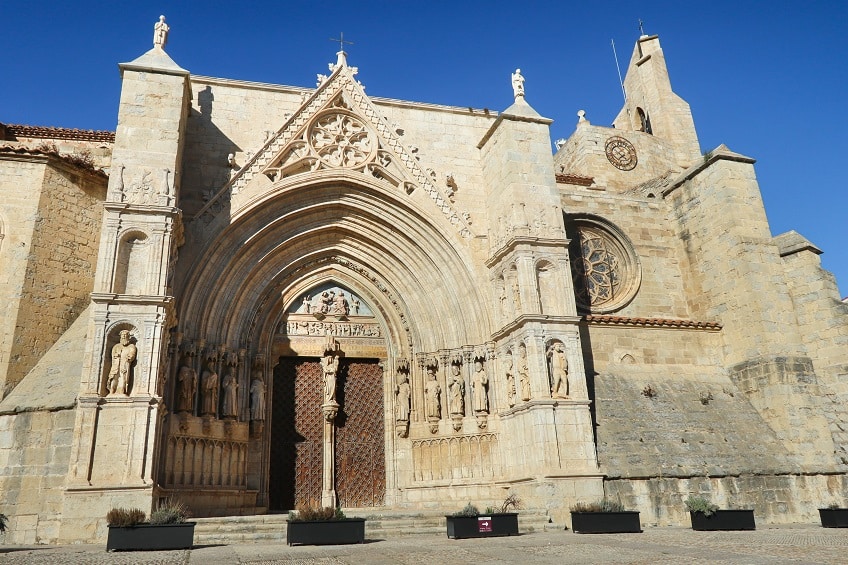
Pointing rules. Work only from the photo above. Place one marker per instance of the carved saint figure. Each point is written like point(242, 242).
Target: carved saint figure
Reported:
point(479, 386)
point(432, 392)
point(516, 296)
point(209, 382)
point(502, 298)
point(229, 409)
point(325, 302)
point(402, 394)
point(558, 365)
point(456, 387)
point(123, 356)
point(356, 305)
point(257, 397)
point(523, 372)
point(340, 304)
point(160, 32)
point(510, 381)
point(517, 83)
point(330, 366)
point(186, 385)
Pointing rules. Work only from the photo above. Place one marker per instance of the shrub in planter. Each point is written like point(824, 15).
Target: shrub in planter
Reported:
point(470, 523)
point(166, 530)
point(323, 526)
point(706, 516)
point(604, 517)
point(834, 517)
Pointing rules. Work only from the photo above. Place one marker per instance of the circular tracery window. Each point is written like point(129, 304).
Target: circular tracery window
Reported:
point(341, 140)
point(604, 266)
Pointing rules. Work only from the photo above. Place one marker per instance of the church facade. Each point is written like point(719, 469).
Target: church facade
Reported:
point(284, 296)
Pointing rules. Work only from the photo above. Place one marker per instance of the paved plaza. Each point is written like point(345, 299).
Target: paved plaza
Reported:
point(769, 544)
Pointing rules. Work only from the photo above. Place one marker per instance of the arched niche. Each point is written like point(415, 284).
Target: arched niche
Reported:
point(131, 263)
point(546, 283)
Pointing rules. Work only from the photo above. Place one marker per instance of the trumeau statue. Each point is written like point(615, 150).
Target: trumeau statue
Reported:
point(330, 366)
point(479, 386)
point(229, 408)
point(209, 383)
point(456, 387)
point(160, 33)
point(432, 392)
point(123, 356)
point(558, 365)
point(523, 372)
point(517, 84)
point(186, 385)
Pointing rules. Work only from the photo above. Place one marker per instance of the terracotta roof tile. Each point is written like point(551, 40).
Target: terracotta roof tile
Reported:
point(42, 132)
point(607, 320)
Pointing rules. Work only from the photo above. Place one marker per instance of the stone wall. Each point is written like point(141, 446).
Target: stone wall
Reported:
point(34, 452)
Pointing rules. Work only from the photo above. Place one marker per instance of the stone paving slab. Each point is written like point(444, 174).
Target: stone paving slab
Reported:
point(806, 544)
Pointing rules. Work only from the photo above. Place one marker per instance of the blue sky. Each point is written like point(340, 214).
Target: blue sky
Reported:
point(766, 78)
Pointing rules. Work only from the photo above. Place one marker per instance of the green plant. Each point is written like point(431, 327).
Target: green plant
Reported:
point(170, 511)
point(700, 504)
point(603, 505)
point(314, 514)
point(831, 506)
point(469, 511)
point(3, 520)
point(123, 517)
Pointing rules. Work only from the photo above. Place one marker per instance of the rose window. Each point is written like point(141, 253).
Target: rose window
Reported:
point(341, 140)
point(604, 268)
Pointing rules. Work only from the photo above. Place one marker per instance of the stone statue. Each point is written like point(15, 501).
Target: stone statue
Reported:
point(523, 372)
point(356, 305)
point(402, 394)
point(432, 392)
point(257, 397)
point(229, 408)
point(516, 295)
point(326, 301)
point(456, 387)
point(479, 387)
point(123, 356)
point(340, 304)
point(160, 33)
point(517, 84)
point(510, 381)
point(330, 366)
point(186, 385)
point(209, 383)
point(558, 366)
point(502, 298)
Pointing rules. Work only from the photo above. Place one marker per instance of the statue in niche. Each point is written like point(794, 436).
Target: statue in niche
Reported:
point(257, 395)
point(510, 380)
point(502, 298)
point(523, 372)
point(209, 382)
point(558, 366)
point(160, 32)
point(456, 388)
point(229, 409)
point(402, 394)
point(186, 385)
point(516, 295)
point(479, 388)
point(340, 304)
point(432, 393)
point(330, 366)
point(123, 355)
point(517, 84)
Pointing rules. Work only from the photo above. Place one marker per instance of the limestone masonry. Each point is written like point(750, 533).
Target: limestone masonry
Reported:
point(255, 297)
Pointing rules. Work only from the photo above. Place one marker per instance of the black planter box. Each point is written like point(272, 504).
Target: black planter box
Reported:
point(605, 522)
point(723, 520)
point(147, 537)
point(326, 532)
point(834, 517)
point(484, 526)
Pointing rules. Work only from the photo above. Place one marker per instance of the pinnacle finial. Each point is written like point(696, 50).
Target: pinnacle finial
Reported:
point(160, 33)
point(341, 54)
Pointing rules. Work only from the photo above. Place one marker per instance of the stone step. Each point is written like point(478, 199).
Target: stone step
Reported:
point(380, 523)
